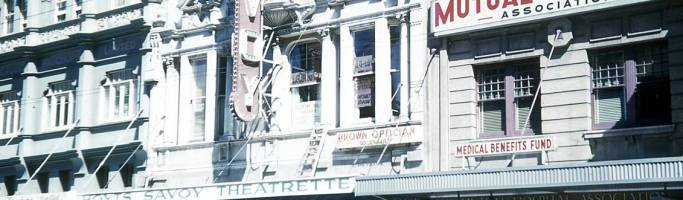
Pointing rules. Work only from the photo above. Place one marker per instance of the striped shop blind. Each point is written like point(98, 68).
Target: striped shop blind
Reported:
point(609, 105)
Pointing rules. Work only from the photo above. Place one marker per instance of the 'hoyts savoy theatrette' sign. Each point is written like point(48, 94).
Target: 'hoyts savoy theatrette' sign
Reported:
point(379, 137)
point(452, 15)
point(242, 190)
point(505, 146)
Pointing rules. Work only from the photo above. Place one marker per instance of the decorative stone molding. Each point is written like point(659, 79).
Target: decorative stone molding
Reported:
point(168, 61)
point(324, 33)
point(9, 45)
point(303, 11)
point(118, 19)
point(58, 34)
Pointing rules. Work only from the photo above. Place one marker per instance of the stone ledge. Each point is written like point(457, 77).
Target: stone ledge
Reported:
point(646, 130)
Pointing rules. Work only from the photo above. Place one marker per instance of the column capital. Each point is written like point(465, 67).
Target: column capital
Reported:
point(402, 18)
point(169, 61)
point(324, 33)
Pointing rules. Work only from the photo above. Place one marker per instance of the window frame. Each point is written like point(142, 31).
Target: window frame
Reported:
point(59, 12)
point(317, 82)
point(371, 75)
point(198, 136)
point(629, 86)
point(13, 13)
point(110, 86)
point(395, 69)
point(12, 101)
point(510, 118)
point(50, 94)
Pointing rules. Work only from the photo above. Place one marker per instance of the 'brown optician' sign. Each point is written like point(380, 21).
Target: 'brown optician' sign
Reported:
point(246, 49)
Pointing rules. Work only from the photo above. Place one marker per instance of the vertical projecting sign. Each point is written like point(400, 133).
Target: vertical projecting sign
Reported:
point(246, 51)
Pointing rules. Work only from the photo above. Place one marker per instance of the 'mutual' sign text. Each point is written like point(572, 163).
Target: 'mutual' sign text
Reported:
point(379, 137)
point(450, 15)
point(517, 145)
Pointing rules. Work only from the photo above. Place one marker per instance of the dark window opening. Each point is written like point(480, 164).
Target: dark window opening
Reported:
point(127, 175)
point(43, 182)
point(66, 179)
point(631, 86)
point(103, 177)
point(10, 184)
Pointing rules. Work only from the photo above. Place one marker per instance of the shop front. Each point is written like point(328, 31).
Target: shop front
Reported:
point(300, 188)
point(552, 100)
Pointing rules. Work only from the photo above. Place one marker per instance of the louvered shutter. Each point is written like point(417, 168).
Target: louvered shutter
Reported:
point(492, 115)
point(523, 109)
point(609, 105)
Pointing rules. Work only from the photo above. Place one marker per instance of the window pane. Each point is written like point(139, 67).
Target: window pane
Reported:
point(651, 64)
point(364, 48)
point(198, 108)
point(5, 121)
point(117, 98)
point(492, 115)
point(653, 94)
point(523, 109)
point(57, 110)
point(199, 70)
point(365, 90)
point(126, 99)
point(395, 32)
point(66, 110)
point(526, 80)
point(608, 69)
point(492, 84)
point(9, 114)
point(609, 105)
point(364, 42)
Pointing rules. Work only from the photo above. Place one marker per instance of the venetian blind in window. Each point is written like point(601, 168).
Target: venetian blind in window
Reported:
point(608, 82)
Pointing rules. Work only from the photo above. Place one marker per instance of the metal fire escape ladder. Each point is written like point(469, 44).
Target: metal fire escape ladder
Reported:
point(311, 157)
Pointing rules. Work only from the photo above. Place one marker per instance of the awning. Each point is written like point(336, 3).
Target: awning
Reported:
point(646, 174)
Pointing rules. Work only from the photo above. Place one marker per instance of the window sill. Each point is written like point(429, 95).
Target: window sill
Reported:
point(56, 129)
point(645, 130)
point(8, 136)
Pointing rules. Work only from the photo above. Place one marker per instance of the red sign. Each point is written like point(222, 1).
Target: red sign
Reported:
point(246, 50)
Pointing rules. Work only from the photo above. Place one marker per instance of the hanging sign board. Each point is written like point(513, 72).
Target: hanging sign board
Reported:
point(247, 50)
point(379, 137)
point(463, 15)
point(505, 146)
point(363, 64)
point(364, 85)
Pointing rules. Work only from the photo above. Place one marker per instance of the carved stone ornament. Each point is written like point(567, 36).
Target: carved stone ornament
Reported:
point(58, 34)
point(118, 19)
point(168, 62)
point(9, 45)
